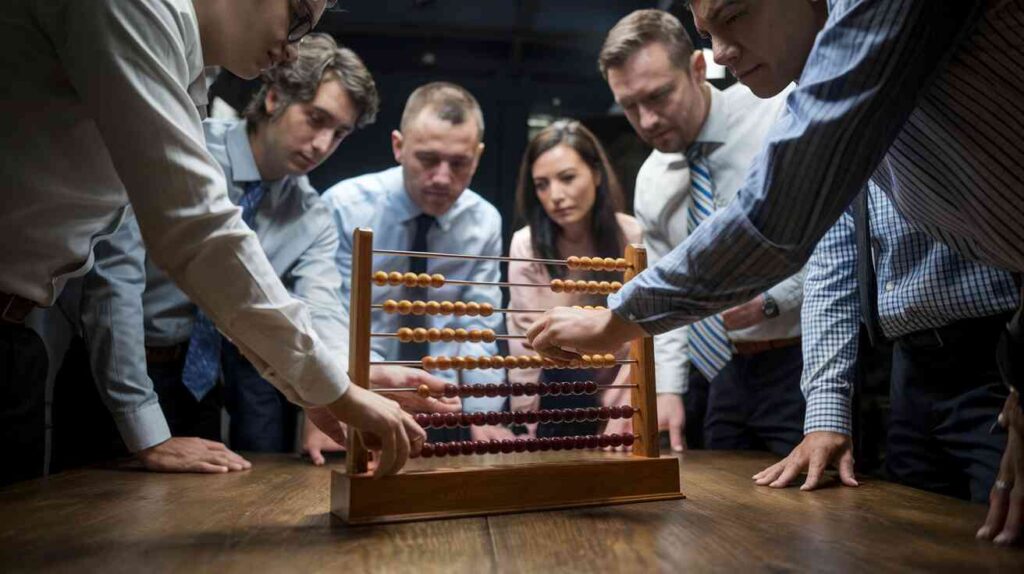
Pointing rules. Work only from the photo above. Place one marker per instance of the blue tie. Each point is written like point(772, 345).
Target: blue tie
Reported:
point(202, 361)
point(710, 348)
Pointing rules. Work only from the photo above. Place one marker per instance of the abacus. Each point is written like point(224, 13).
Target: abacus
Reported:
point(466, 478)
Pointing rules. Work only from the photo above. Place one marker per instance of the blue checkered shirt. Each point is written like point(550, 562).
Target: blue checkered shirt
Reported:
point(922, 284)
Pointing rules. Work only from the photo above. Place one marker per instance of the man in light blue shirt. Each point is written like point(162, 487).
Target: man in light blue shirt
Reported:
point(424, 204)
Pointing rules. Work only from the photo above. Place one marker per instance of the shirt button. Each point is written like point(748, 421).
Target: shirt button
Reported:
point(889, 286)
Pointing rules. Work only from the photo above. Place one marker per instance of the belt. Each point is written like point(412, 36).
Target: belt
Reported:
point(755, 347)
point(14, 308)
point(166, 354)
point(956, 333)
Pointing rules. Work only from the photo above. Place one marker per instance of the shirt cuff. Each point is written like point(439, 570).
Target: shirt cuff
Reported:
point(828, 411)
point(143, 428)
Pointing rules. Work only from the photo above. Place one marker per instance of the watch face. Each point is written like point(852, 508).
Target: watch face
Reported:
point(770, 308)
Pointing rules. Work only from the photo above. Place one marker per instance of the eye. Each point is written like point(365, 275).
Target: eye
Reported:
point(567, 178)
point(541, 186)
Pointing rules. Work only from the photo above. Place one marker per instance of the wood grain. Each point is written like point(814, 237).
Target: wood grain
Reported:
point(275, 518)
point(359, 335)
point(644, 396)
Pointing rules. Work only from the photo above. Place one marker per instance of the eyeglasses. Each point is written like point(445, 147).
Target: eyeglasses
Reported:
point(302, 18)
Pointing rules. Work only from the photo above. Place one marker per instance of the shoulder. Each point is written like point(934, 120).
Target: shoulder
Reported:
point(654, 166)
point(216, 130)
point(521, 244)
point(631, 228)
point(746, 107)
point(471, 204)
point(367, 190)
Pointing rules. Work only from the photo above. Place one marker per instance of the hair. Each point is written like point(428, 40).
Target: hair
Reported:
point(640, 28)
point(320, 60)
point(450, 102)
point(608, 237)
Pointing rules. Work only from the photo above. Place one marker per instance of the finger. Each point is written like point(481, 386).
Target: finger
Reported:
point(790, 472)
point(402, 447)
point(675, 437)
point(769, 474)
point(535, 329)
point(1015, 513)
point(846, 472)
point(814, 470)
point(435, 384)
point(236, 458)
point(213, 445)
point(221, 459)
point(998, 501)
point(206, 468)
point(316, 456)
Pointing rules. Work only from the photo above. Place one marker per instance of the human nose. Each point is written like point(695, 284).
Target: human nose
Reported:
point(442, 173)
point(724, 53)
point(648, 119)
point(322, 141)
point(291, 52)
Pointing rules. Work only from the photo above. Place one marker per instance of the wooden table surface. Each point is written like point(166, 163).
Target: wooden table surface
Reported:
point(275, 518)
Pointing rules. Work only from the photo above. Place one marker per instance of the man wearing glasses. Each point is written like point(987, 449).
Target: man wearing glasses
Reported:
point(105, 114)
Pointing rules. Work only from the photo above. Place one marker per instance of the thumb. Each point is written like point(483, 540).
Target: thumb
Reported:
point(675, 438)
point(316, 456)
point(846, 474)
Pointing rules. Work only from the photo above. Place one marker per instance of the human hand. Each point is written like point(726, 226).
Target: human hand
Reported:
point(813, 454)
point(492, 432)
point(562, 333)
point(191, 454)
point(745, 315)
point(672, 417)
point(385, 427)
point(620, 427)
point(315, 442)
point(1006, 499)
point(390, 376)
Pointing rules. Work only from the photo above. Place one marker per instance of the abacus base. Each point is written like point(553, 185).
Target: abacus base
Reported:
point(458, 487)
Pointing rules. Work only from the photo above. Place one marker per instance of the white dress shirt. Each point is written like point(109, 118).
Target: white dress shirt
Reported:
point(734, 130)
point(100, 108)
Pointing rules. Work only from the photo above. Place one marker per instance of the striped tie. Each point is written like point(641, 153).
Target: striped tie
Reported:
point(710, 348)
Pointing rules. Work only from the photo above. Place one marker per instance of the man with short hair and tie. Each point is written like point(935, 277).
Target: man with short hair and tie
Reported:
point(735, 375)
point(424, 204)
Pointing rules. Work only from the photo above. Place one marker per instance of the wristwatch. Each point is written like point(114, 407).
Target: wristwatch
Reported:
point(770, 307)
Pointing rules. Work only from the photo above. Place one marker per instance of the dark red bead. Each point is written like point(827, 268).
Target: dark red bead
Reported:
point(480, 446)
point(422, 419)
point(581, 415)
point(436, 420)
point(568, 415)
point(543, 444)
point(506, 417)
point(579, 387)
point(451, 420)
point(603, 413)
point(566, 388)
point(615, 439)
point(479, 419)
point(465, 419)
point(493, 418)
point(427, 451)
point(603, 441)
point(556, 416)
point(556, 443)
point(491, 390)
point(615, 412)
point(592, 414)
point(592, 441)
point(504, 390)
point(494, 446)
point(465, 391)
point(451, 391)
point(543, 389)
point(531, 445)
point(520, 444)
point(479, 391)
point(579, 442)
point(590, 387)
point(517, 389)
point(530, 389)
point(627, 412)
point(440, 449)
point(531, 417)
point(519, 417)
point(628, 439)
point(467, 447)
point(455, 448)
point(507, 446)
point(544, 416)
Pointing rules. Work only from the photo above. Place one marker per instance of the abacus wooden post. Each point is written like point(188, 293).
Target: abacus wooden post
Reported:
point(359, 336)
point(645, 422)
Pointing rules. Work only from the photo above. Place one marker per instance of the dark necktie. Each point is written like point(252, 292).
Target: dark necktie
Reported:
point(867, 282)
point(416, 351)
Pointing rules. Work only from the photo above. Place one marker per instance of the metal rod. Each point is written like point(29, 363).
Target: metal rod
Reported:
point(496, 336)
point(416, 389)
point(496, 283)
point(418, 363)
point(510, 310)
point(434, 255)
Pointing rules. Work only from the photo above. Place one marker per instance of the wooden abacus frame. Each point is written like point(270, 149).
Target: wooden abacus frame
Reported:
point(492, 484)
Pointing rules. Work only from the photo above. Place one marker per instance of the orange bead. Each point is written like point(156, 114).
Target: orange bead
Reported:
point(594, 288)
point(458, 362)
point(557, 285)
point(380, 277)
point(609, 360)
point(409, 279)
point(430, 364)
point(616, 286)
point(390, 306)
point(586, 263)
point(447, 335)
point(605, 287)
point(573, 262)
point(395, 278)
point(597, 264)
point(433, 307)
point(621, 265)
point(472, 308)
point(497, 362)
point(536, 361)
point(419, 335)
point(597, 361)
point(419, 307)
point(404, 307)
point(488, 336)
point(447, 307)
point(424, 390)
point(475, 335)
point(569, 286)
point(511, 362)
point(526, 361)
point(437, 280)
point(586, 362)
point(444, 363)
point(423, 280)
point(610, 263)
point(472, 363)
point(486, 309)
point(405, 334)
point(459, 308)
point(485, 362)
point(461, 335)
point(433, 335)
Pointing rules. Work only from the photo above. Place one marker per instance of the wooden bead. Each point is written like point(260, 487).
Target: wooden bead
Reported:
point(380, 277)
point(395, 278)
point(597, 361)
point(423, 280)
point(461, 335)
point(471, 363)
point(405, 334)
point(433, 335)
point(605, 287)
point(405, 307)
point(390, 306)
point(621, 265)
point(610, 263)
point(526, 361)
point(430, 364)
point(419, 335)
point(475, 335)
point(616, 285)
point(609, 360)
point(488, 336)
point(419, 307)
point(447, 335)
point(472, 308)
point(444, 363)
point(409, 279)
point(433, 307)
point(594, 287)
point(557, 285)
point(511, 362)
point(486, 309)
point(569, 286)
point(573, 262)
point(536, 361)
point(458, 362)
point(437, 280)
point(459, 308)
point(586, 362)
point(485, 362)
point(447, 307)
point(497, 362)
point(597, 264)
point(424, 390)
point(585, 263)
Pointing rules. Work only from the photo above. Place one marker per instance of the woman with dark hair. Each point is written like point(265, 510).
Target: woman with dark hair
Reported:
point(570, 198)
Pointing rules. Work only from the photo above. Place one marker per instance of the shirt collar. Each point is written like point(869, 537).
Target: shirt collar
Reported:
point(243, 164)
point(716, 126)
point(407, 210)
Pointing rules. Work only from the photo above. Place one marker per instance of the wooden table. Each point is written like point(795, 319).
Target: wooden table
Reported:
point(275, 518)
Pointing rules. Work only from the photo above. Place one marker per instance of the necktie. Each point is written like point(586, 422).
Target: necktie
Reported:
point(867, 282)
point(202, 360)
point(416, 351)
point(710, 348)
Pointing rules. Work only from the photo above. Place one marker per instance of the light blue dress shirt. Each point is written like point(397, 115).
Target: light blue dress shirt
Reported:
point(924, 97)
point(922, 284)
point(472, 226)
